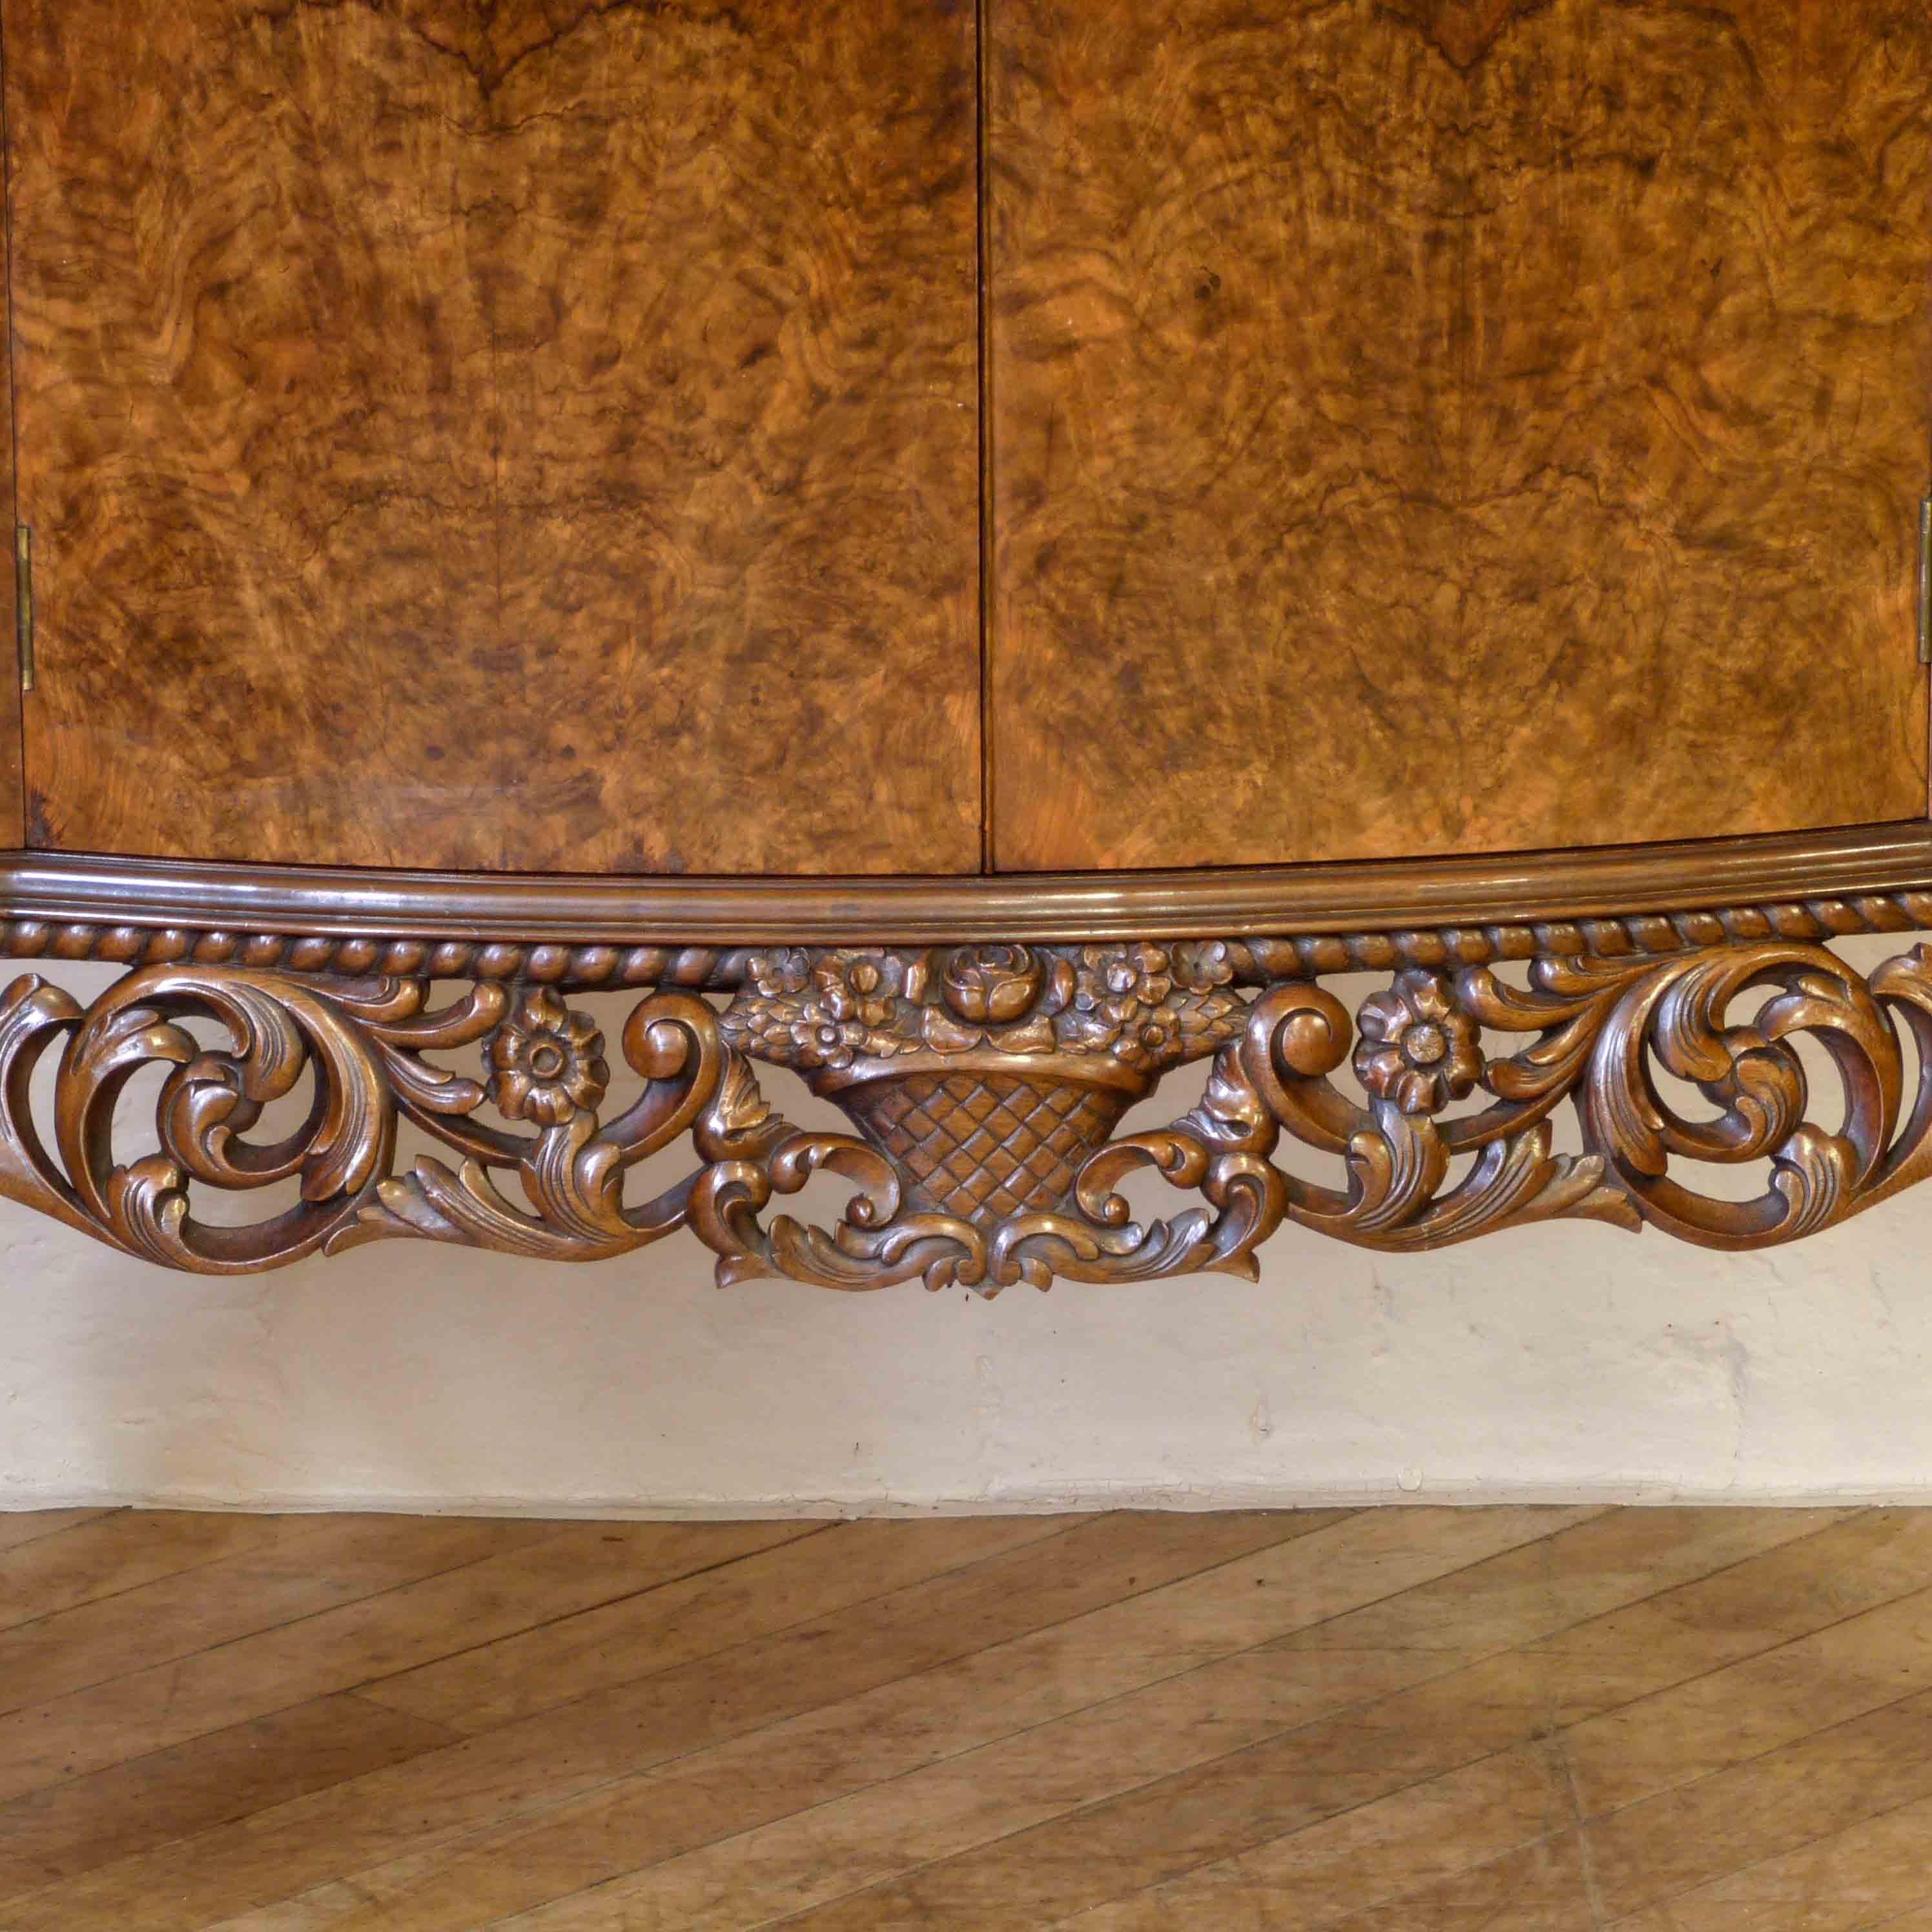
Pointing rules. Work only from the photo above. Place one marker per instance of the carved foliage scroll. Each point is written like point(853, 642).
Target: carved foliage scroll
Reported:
point(986, 1087)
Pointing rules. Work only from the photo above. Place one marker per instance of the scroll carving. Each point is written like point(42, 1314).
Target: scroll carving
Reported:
point(986, 1087)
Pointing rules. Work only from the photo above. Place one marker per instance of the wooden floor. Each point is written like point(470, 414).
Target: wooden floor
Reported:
point(1663, 1721)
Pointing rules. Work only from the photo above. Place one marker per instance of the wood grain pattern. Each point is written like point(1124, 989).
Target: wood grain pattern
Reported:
point(505, 1581)
point(1387, 1720)
point(536, 434)
point(314, 1565)
point(116, 1552)
point(13, 758)
point(139, 1802)
point(36, 1525)
point(1443, 427)
point(753, 1673)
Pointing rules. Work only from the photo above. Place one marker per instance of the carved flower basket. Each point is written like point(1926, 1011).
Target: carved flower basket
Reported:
point(988, 1075)
point(981, 1140)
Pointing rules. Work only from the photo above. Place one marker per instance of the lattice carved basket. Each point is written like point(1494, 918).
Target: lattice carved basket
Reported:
point(983, 1142)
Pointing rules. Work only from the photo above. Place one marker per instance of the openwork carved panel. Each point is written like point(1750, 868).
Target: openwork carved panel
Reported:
point(985, 1085)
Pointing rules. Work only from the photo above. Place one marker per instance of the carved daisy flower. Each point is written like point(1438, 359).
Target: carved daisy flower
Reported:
point(859, 987)
point(1202, 964)
point(787, 969)
point(1418, 1049)
point(824, 1042)
point(1116, 981)
point(546, 1062)
point(1154, 1037)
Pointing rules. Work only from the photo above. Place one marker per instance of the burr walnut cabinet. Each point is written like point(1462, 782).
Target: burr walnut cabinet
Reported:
point(978, 555)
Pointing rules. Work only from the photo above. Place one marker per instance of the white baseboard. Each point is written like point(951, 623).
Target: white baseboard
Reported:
point(1042, 1501)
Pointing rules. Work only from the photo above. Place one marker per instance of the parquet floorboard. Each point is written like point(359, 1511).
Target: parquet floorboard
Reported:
point(1389, 1720)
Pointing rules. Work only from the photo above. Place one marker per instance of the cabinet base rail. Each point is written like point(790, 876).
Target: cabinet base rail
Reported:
point(985, 1083)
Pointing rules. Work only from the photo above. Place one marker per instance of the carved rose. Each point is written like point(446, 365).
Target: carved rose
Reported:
point(1418, 1049)
point(546, 1062)
point(992, 985)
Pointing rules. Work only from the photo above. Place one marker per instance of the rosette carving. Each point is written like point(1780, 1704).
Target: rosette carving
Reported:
point(1418, 1048)
point(986, 1085)
point(547, 1062)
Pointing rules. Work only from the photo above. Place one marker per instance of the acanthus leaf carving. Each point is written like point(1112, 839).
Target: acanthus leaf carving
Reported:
point(986, 1087)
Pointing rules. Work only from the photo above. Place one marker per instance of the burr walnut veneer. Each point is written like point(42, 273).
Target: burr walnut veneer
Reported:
point(978, 555)
point(529, 437)
point(1514, 411)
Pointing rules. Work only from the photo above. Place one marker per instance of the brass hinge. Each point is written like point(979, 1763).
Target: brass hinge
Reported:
point(23, 601)
point(1925, 579)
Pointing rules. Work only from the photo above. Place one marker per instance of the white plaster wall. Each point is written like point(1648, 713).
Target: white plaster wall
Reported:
point(1571, 1362)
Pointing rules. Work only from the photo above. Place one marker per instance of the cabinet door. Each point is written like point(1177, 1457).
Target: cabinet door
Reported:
point(537, 435)
point(1452, 425)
